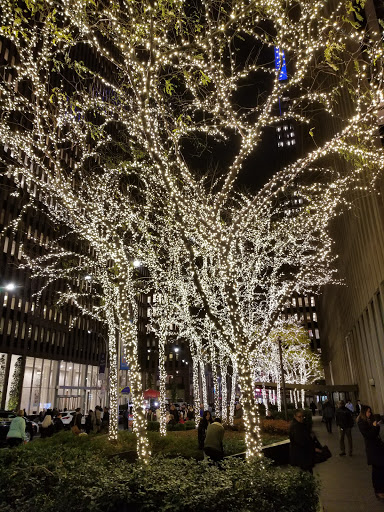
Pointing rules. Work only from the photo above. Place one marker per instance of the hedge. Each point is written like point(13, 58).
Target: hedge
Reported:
point(63, 478)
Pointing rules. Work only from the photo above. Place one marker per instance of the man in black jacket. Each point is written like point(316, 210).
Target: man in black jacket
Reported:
point(344, 420)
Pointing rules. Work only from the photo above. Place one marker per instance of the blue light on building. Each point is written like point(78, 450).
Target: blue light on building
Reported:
point(279, 54)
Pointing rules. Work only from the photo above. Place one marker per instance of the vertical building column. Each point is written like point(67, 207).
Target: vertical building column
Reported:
point(6, 379)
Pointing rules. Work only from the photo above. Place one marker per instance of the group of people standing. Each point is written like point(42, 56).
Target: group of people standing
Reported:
point(304, 444)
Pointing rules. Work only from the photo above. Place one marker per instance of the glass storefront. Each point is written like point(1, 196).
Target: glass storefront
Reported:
point(60, 384)
point(47, 383)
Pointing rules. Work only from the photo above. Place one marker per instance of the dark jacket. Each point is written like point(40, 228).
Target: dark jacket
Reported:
point(202, 431)
point(78, 418)
point(58, 425)
point(344, 418)
point(302, 447)
point(374, 446)
point(328, 411)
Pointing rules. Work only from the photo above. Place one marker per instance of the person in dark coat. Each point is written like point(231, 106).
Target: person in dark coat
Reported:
point(312, 405)
point(58, 424)
point(105, 420)
point(174, 412)
point(302, 447)
point(374, 447)
point(77, 418)
point(345, 422)
point(202, 430)
point(328, 415)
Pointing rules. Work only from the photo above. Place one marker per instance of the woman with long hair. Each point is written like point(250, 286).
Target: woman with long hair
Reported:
point(203, 425)
point(369, 426)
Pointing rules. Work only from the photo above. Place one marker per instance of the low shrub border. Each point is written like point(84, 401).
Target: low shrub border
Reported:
point(66, 478)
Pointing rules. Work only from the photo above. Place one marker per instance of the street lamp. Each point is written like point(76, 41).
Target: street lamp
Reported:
point(10, 287)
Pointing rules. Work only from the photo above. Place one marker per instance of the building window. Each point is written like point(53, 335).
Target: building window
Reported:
point(317, 334)
point(313, 302)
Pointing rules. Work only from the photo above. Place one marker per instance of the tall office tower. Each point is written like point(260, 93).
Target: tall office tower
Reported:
point(352, 315)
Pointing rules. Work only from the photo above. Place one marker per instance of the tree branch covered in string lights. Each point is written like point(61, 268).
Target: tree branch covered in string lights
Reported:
point(94, 84)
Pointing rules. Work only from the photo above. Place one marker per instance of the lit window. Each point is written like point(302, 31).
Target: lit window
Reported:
point(315, 317)
point(278, 129)
point(317, 334)
point(293, 142)
point(306, 301)
point(310, 333)
point(294, 302)
point(285, 127)
point(280, 144)
point(313, 301)
point(300, 302)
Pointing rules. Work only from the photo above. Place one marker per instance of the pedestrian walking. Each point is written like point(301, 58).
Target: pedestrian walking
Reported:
point(312, 405)
point(328, 415)
point(16, 432)
point(344, 420)
point(369, 427)
point(349, 405)
point(358, 407)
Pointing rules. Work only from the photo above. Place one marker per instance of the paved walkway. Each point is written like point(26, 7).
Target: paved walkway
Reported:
point(346, 484)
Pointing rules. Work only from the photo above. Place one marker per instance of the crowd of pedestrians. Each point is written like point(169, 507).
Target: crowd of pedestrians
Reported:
point(304, 446)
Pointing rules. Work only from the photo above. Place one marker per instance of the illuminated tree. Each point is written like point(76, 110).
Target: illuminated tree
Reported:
point(152, 78)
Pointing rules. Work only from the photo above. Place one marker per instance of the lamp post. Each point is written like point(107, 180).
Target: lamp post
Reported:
point(282, 379)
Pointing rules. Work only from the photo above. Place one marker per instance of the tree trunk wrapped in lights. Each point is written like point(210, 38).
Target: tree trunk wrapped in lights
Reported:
point(224, 392)
point(162, 379)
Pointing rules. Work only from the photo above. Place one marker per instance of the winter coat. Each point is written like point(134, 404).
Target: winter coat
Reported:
point(214, 437)
point(344, 418)
point(302, 447)
point(202, 431)
point(328, 411)
point(374, 446)
point(17, 428)
point(77, 420)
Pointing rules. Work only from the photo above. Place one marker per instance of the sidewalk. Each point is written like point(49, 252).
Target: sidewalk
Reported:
point(346, 484)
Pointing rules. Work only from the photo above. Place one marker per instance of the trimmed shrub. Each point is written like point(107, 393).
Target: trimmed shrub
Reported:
point(278, 427)
point(153, 426)
point(176, 428)
point(290, 412)
point(67, 478)
point(190, 425)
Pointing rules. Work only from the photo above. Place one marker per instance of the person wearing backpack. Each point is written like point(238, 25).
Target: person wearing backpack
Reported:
point(344, 420)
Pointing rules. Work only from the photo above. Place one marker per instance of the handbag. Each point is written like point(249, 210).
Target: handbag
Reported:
point(324, 455)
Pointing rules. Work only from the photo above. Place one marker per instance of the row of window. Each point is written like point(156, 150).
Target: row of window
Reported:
point(307, 301)
point(308, 317)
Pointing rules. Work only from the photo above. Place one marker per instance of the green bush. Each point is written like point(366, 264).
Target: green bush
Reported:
point(63, 478)
point(190, 425)
point(290, 412)
point(153, 426)
point(176, 428)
